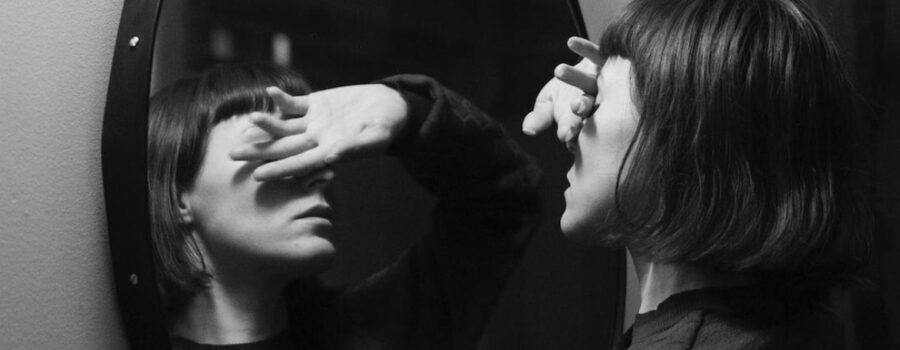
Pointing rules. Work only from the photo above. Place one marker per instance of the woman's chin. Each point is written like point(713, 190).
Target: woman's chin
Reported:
point(312, 256)
point(322, 259)
point(580, 229)
point(572, 227)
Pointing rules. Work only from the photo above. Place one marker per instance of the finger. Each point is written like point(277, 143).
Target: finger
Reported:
point(255, 134)
point(272, 150)
point(370, 141)
point(272, 124)
point(539, 119)
point(298, 165)
point(567, 127)
point(275, 126)
point(289, 105)
point(585, 48)
point(583, 106)
point(575, 77)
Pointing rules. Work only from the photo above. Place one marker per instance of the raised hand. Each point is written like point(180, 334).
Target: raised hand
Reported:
point(329, 126)
point(569, 96)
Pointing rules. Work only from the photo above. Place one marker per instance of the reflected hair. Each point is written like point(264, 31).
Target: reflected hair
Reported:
point(743, 156)
point(180, 119)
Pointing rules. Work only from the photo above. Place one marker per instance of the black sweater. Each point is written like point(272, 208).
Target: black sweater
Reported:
point(752, 317)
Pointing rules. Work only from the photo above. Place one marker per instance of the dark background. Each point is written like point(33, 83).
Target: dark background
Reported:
point(868, 34)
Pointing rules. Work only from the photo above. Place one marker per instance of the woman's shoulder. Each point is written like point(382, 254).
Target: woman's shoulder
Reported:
point(807, 329)
point(738, 318)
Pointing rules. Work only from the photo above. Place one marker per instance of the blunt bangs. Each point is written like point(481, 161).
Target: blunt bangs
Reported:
point(743, 156)
point(180, 119)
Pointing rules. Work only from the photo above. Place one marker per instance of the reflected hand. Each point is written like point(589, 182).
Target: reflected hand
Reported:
point(325, 127)
point(569, 97)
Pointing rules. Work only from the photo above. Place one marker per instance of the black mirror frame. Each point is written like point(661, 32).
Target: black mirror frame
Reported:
point(124, 161)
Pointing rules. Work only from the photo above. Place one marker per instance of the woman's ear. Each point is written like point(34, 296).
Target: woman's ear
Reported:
point(184, 209)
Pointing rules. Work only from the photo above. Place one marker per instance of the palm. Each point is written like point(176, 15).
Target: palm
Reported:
point(354, 121)
point(325, 127)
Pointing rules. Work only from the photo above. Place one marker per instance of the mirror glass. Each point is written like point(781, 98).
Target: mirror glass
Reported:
point(497, 54)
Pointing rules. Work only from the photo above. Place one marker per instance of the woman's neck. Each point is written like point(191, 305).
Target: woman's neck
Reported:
point(233, 313)
point(658, 281)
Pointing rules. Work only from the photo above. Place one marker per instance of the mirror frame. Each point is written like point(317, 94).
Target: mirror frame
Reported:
point(124, 162)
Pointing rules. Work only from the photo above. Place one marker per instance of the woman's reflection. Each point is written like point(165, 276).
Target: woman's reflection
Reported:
point(237, 258)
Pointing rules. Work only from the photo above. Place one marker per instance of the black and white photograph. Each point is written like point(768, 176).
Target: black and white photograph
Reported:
point(450, 174)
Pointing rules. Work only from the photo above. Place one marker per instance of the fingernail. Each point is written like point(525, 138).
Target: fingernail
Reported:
point(330, 159)
point(582, 108)
point(257, 176)
point(528, 131)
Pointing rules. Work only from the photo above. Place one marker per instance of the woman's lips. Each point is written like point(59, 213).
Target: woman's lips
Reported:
point(319, 211)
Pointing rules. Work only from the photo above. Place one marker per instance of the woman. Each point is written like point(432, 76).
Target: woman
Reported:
point(237, 257)
point(719, 153)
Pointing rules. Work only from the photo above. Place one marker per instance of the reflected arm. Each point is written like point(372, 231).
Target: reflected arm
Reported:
point(441, 293)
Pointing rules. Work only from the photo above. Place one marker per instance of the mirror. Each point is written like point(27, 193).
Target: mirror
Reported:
point(497, 55)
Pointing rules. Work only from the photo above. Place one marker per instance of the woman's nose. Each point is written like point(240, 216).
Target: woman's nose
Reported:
point(319, 179)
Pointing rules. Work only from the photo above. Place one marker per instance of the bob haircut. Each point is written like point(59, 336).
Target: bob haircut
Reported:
point(180, 119)
point(743, 156)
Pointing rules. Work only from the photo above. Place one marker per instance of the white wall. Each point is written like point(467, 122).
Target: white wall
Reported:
point(56, 290)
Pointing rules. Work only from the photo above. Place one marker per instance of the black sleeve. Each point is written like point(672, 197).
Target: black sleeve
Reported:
point(441, 292)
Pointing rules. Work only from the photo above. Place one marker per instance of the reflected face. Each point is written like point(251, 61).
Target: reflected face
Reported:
point(244, 226)
point(599, 151)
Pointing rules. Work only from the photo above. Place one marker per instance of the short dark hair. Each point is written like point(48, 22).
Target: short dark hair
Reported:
point(743, 156)
point(180, 118)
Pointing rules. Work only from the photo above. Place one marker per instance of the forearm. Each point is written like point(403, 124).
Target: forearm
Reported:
point(488, 204)
point(454, 149)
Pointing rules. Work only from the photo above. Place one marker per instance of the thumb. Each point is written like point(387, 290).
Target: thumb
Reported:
point(539, 119)
point(289, 105)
